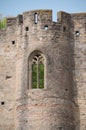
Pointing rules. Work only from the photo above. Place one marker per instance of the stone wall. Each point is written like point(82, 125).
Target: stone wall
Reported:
point(7, 77)
point(79, 42)
point(61, 104)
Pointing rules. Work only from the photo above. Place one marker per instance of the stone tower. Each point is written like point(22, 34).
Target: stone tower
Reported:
point(57, 100)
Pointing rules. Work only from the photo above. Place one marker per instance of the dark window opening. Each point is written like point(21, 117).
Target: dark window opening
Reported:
point(46, 27)
point(64, 29)
point(13, 42)
point(66, 89)
point(60, 128)
point(27, 29)
point(77, 33)
point(35, 18)
point(2, 103)
point(21, 21)
point(8, 77)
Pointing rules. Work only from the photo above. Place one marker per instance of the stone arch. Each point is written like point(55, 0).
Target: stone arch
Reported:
point(36, 70)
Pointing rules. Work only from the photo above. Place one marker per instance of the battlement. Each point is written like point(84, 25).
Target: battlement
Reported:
point(34, 16)
point(41, 17)
point(11, 21)
point(79, 14)
point(63, 16)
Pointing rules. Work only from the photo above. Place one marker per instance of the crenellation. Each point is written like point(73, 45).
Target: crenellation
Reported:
point(20, 19)
point(63, 16)
point(11, 21)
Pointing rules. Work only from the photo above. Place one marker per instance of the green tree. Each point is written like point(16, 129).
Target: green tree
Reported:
point(2, 22)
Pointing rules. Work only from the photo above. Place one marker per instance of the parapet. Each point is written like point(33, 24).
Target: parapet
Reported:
point(79, 14)
point(11, 21)
point(63, 16)
point(41, 17)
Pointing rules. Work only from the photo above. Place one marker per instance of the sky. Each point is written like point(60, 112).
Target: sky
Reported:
point(15, 7)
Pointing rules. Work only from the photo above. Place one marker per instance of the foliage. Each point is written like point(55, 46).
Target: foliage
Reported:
point(34, 76)
point(41, 75)
point(3, 23)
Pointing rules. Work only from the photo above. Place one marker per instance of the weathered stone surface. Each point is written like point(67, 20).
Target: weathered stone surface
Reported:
point(61, 105)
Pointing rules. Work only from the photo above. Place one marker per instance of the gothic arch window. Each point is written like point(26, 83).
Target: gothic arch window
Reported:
point(36, 70)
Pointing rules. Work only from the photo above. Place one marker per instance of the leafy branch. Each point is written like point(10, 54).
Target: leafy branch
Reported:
point(2, 22)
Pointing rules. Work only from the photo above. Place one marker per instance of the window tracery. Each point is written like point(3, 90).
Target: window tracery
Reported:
point(37, 71)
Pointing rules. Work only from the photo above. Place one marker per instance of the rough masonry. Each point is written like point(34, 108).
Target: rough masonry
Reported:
point(61, 104)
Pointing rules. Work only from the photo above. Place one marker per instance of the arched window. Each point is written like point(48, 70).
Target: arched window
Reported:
point(36, 71)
